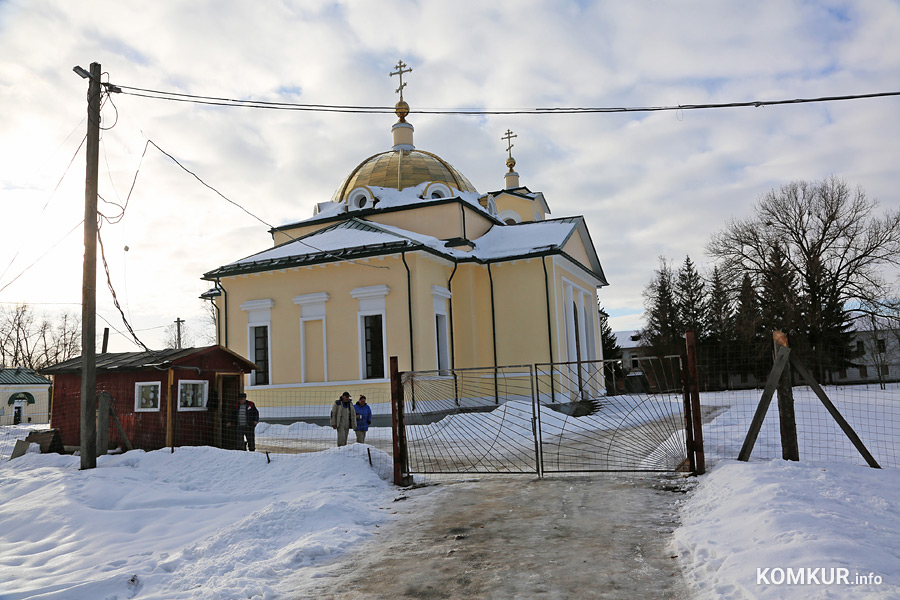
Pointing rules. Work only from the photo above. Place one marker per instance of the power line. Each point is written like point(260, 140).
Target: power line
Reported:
point(260, 104)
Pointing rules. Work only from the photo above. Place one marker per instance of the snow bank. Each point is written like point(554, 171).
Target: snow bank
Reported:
point(747, 517)
point(199, 523)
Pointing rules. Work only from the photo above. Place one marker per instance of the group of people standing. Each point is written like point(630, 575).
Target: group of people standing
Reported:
point(346, 416)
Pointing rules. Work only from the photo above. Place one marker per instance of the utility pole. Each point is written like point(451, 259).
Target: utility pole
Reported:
point(178, 322)
point(89, 285)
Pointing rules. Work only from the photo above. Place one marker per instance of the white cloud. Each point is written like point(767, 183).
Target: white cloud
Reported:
point(648, 184)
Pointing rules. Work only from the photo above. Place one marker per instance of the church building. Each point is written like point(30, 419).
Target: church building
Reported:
point(409, 259)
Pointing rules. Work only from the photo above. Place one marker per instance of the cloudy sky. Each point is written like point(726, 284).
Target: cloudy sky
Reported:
point(649, 184)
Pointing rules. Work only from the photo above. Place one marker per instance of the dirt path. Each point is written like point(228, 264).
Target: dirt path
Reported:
point(599, 536)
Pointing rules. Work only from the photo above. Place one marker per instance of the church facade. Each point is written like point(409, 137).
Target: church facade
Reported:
point(408, 259)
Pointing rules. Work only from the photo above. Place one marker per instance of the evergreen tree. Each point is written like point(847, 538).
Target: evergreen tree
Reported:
point(611, 349)
point(779, 304)
point(663, 330)
point(720, 315)
point(751, 350)
point(612, 368)
point(690, 299)
point(718, 350)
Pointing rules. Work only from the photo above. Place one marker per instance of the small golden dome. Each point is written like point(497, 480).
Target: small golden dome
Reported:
point(401, 109)
point(402, 169)
point(510, 162)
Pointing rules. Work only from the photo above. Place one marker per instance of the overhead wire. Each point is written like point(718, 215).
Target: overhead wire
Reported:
point(293, 106)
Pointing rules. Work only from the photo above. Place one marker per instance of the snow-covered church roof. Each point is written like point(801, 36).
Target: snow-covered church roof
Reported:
point(356, 238)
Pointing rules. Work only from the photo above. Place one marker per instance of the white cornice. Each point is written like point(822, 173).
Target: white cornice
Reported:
point(307, 299)
point(266, 303)
point(372, 291)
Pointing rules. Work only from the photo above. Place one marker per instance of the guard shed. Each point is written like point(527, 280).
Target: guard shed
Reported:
point(175, 397)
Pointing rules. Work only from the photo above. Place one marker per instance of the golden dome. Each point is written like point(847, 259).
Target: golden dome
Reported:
point(402, 169)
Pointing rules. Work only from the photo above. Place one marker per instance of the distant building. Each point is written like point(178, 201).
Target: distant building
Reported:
point(177, 397)
point(24, 397)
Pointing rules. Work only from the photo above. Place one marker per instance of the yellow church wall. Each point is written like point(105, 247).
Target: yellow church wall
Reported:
point(287, 235)
point(520, 312)
point(524, 207)
point(472, 317)
point(341, 329)
point(476, 223)
point(575, 248)
point(442, 221)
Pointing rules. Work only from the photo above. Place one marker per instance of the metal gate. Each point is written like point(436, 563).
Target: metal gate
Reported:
point(546, 418)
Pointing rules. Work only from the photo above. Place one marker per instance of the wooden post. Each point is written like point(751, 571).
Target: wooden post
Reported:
point(104, 400)
point(105, 340)
point(89, 281)
point(398, 429)
point(696, 416)
point(170, 412)
point(786, 419)
point(781, 358)
point(833, 411)
point(688, 419)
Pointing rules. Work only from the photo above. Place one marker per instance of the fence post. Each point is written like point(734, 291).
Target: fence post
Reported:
point(103, 402)
point(696, 415)
point(398, 428)
point(688, 418)
point(786, 419)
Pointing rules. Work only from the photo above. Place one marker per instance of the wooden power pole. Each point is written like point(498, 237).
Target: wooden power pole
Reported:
point(89, 285)
point(178, 322)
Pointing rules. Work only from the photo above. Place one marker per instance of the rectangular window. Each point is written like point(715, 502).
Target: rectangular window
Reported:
point(443, 347)
point(885, 370)
point(192, 394)
point(863, 371)
point(842, 374)
point(860, 348)
point(374, 346)
point(261, 355)
point(146, 396)
point(880, 346)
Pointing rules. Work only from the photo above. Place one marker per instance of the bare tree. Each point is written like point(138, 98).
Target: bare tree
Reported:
point(831, 239)
point(35, 341)
point(178, 337)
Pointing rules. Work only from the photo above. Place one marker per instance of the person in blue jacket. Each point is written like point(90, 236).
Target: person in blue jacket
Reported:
point(363, 419)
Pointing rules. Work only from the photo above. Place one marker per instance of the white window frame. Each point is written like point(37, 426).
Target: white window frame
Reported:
point(441, 297)
point(137, 396)
point(204, 394)
point(371, 301)
point(259, 314)
point(312, 308)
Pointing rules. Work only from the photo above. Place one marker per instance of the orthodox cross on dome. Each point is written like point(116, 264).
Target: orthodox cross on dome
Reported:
point(401, 69)
point(508, 137)
point(510, 162)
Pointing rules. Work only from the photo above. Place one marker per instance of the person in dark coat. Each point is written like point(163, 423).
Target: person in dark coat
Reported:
point(363, 419)
point(244, 421)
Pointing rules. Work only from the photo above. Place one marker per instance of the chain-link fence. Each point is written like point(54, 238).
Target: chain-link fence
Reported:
point(732, 382)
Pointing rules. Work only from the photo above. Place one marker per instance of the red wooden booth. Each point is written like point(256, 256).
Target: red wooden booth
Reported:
point(161, 398)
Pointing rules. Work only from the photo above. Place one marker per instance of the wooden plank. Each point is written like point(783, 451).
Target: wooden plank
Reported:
point(121, 429)
point(836, 415)
point(104, 405)
point(781, 359)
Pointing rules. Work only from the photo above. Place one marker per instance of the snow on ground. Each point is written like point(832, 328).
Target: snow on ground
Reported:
point(791, 518)
point(216, 524)
point(197, 523)
point(794, 517)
